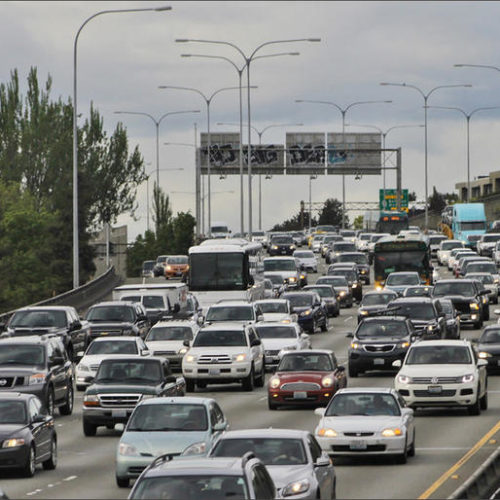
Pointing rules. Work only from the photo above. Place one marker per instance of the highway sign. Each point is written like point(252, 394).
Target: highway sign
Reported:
point(390, 201)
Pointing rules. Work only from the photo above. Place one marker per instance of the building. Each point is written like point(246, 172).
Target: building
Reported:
point(483, 185)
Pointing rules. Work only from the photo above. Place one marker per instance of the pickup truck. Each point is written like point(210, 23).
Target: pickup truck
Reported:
point(120, 383)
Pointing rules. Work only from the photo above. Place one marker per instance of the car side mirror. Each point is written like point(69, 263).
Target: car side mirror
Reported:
point(482, 362)
point(304, 336)
point(220, 426)
point(255, 342)
point(497, 312)
point(176, 308)
point(38, 419)
point(349, 335)
point(251, 280)
point(79, 355)
point(57, 360)
point(200, 320)
point(170, 379)
point(145, 352)
point(260, 317)
point(397, 364)
point(320, 412)
point(185, 343)
point(341, 368)
point(76, 325)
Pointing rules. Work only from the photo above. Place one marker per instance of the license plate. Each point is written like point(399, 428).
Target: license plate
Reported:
point(104, 333)
point(213, 371)
point(283, 252)
point(434, 389)
point(119, 413)
point(358, 445)
point(270, 359)
point(378, 361)
point(299, 395)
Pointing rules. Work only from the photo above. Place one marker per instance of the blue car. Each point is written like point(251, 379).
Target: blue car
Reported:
point(173, 426)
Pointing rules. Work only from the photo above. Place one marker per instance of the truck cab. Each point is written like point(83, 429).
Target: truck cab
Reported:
point(468, 219)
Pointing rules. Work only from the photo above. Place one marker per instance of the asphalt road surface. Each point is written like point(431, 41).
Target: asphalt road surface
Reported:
point(86, 464)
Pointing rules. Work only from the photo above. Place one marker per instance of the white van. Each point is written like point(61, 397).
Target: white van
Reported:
point(160, 300)
point(219, 230)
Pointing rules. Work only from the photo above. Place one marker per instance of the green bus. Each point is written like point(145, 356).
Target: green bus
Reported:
point(392, 222)
point(401, 253)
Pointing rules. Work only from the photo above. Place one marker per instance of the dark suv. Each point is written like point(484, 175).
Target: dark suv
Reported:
point(377, 342)
point(61, 320)
point(467, 299)
point(120, 383)
point(38, 365)
point(118, 318)
point(281, 245)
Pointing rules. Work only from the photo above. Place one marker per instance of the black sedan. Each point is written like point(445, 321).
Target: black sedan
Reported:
point(488, 347)
point(27, 435)
point(310, 309)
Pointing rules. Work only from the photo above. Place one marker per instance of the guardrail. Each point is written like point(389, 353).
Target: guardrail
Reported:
point(80, 298)
point(483, 482)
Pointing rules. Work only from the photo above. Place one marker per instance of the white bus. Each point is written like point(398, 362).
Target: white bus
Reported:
point(226, 269)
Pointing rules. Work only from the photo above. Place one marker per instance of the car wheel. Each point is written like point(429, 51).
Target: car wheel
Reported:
point(30, 466)
point(475, 408)
point(201, 385)
point(262, 377)
point(271, 405)
point(411, 451)
point(49, 403)
point(189, 385)
point(51, 463)
point(248, 382)
point(67, 407)
point(353, 373)
point(89, 429)
point(402, 457)
point(123, 482)
point(483, 402)
point(80, 387)
point(324, 326)
point(334, 490)
point(349, 305)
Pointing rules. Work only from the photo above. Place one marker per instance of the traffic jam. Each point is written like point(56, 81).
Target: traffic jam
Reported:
point(243, 316)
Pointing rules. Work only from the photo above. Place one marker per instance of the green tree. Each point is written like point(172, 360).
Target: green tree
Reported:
point(331, 213)
point(183, 229)
point(436, 201)
point(412, 196)
point(358, 222)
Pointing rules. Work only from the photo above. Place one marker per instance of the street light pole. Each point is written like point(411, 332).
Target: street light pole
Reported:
point(208, 101)
point(248, 60)
point(425, 97)
point(76, 259)
point(467, 119)
point(311, 177)
point(343, 112)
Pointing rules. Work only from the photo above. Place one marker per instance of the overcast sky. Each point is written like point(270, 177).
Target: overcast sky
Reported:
point(122, 59)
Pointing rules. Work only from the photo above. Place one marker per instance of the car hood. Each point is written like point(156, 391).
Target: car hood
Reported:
point(8, 430)
point(380, 340)
point(117, 388)
point(308, 262)
point(361, 423)
point(281, 274)
point(379, 307)
point(276, 316)
point(22, 331)
point(95, 359)
point(437, 370)
point(103, 325)
point(491, 348)
point(457, 299)
point(287, 377)
point(19, 370)
point(161, 442)
point(164, 345)
point(285, 474)
point(397, 288)
point(277, 344)
point(218, 350)
point(298, 310)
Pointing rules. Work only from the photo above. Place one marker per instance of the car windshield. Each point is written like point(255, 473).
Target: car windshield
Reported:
point(333, 280)
point(304, 255)
point(213, 338)
point(402, 279)
point(349, 257)
point(447, 306)
point(139, 372)
point(161, 259)
point(439, 355)
point(343, 405)
point(268, 284)
point(282, 240)
point(299, 299)
point(416, 310)
point(275, 279)
point(364, 237)
point(417, 291)
point(453, 288)
point(192, 487)
point(148, 265)
point(112, 347)
point(382, 329)
point(178, 260)
point(322, 291)
point(273, 307)
point(482, 267)
point(110, 313)
point(344, 247)
point(153, 302)
point(272, 451)
point(377, 299)
point(22, 355)
point(12, 412)
point(490, 238)
point(305, 362)
point(450, 245)
point(277, 332)
point(435, 240)
point(348, 274)
point(485, 279)
point(280, 265)
point(490, 336)
point(230, 313)
point(39, 318)
point(168, 417)
point(169, 333)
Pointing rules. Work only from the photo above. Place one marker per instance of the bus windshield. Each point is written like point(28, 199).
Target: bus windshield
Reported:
point(390, 262)
point(217, 271)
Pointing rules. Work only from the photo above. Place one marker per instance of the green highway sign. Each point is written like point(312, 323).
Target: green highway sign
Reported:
point(389, 201)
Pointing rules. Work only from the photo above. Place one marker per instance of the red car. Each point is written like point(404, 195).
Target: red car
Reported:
point(309, 377)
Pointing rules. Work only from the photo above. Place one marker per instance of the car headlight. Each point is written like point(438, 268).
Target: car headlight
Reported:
point(275, 247)
point(306, 313)
point(468, 378)
point(363, 313)
point(404, 379)
point(274, 382)
point(90, 400)
point(82, 368)
point(495, 280)
point(147, 396)
point(295, 488)
point(302, 276)
point(239, 357)
point(327, 381)
point(190, 358)
point(196, 449)
point(474, 305)
point(327, 432)
point(392, 432)
point(12, 442)
point(292, 279)
point(342, 293)
point(378, 288)
point(430, 327)
point(168, 268)
point(354, 345)
point(127, 450)
point(292, 247)
point(354, 285)
point(403, 345)
point(36, 378)
point(484, 355)
point(485, 300)
point(182, 350)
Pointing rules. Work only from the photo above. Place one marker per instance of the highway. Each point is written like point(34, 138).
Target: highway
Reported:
point(443, 437)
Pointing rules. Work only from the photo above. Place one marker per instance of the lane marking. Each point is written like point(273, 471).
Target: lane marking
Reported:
point(263, 399)
point(70, 478)
point(439, 482)
point(33, 492)
point(348, 319)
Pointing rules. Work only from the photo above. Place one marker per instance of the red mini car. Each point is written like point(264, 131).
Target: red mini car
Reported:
point(309, 377)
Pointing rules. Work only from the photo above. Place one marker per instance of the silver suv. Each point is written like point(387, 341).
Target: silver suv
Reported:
point(225, 353)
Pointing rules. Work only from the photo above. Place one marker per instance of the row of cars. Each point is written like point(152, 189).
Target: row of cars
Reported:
point(167, 266)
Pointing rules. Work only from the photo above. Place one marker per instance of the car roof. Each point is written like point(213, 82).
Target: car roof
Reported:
point(270, 300)
point(403, 272)
point(266, 432)
point(374, 390)
point(420, 300)
point(19, 396)
point(235, 303)
point(28, 339)
point(310, 351)
point(226, 326)
point(116, 338)
point(132, 358)
point(463, 280)
point(444, 342)
point(185, 400)
point(44, 308)
point(320, 285)
point(114, 303)
point(371, 319)
point(175, 322)
point(207, 465)
point(378, 292)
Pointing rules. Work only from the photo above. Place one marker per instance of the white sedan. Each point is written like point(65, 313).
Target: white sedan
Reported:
point(307, 259)
point(276, 310)
point(366, 421)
